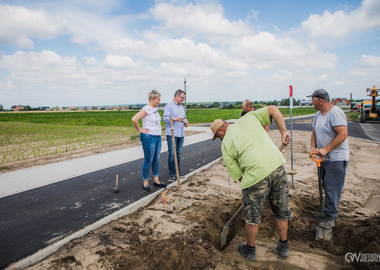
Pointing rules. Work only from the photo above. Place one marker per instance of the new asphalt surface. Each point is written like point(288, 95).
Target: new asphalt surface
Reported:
point(33, 219)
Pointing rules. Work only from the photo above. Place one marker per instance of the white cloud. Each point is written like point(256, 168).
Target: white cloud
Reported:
point(19, 25)
point(266, 51)
point(91, 61)
point(339, 83)
point(87, 28)
point(97, 6)
point(370, 61)
point(182, 51)
point(44, 68)
point(368, 66)
point(282, 75)
point(118, 61)
point(341, 23)
point(202, 20)
point(125, 45)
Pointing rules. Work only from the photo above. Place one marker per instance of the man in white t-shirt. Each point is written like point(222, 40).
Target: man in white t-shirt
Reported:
point(329, 139)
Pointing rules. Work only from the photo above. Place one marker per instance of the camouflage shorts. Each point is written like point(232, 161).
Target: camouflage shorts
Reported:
point(274, 188)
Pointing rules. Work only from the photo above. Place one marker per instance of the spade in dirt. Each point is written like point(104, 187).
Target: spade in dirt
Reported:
point(180, 201)
point(224, 234)
point(321, 232)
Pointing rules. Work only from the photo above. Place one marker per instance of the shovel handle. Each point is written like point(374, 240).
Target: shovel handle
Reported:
point(237, 212)
point(175, 156)
point(318, 161)
point(282, 146)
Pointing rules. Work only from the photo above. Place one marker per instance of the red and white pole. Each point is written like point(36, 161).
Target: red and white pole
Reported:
point(291, 128)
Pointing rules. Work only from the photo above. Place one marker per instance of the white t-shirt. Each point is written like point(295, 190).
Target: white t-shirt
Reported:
point(152, 120)
point(324, 131)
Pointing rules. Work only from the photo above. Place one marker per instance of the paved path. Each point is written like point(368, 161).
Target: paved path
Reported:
point(355, 129)
point(29, 178)
point(371, 129)
point(41, 205)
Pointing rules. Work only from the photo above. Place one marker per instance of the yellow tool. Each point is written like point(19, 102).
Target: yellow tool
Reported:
point(321, 232)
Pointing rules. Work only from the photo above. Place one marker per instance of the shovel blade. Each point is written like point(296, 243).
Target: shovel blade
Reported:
point(324, 234)
point(181, 202)
point(223, 237)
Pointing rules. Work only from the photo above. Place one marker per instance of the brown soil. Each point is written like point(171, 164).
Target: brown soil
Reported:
point(159, 237)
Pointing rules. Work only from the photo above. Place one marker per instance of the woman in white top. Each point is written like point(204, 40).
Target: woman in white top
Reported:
point(150, 136)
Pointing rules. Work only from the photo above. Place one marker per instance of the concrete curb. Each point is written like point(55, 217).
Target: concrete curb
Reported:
point(44, 253)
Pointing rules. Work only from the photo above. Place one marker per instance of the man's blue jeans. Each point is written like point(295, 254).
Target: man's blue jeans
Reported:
point(333, 174)
point(178, 147)
point(152, 150)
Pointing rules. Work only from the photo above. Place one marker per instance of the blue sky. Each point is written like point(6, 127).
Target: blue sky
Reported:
point(96, 52)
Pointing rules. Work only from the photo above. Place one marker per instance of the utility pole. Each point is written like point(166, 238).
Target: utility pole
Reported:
point(184, 83)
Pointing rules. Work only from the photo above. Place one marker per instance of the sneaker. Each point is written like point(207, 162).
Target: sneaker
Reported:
point(171, 178)
point(182, 175)
point(283, 249)
point(318, 216)
point(247, 252)
point(328, 222)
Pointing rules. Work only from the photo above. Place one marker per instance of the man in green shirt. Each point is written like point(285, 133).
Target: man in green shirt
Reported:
point(252, 158)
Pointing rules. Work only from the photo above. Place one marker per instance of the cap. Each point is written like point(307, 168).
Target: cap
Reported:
point(320, 93)
point(215, 126)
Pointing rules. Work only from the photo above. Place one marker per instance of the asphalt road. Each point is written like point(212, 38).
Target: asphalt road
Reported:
point(32, 220)
point(372, 129)
point(369, 131)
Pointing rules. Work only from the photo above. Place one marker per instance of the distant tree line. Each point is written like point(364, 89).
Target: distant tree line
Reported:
point(201, 105)
point(237, 105)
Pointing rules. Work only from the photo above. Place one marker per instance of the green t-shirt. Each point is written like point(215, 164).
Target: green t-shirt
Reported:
point(248, 151)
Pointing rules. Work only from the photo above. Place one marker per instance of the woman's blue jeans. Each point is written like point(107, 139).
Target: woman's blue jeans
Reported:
point(152, 150)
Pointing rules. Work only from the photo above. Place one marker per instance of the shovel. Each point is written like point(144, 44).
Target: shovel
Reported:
point(180, 201)
point(224, 234)
point(116, 188)
point(321, 232)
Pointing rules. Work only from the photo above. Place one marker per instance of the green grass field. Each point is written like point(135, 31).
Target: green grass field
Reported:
point(123, 118)
point(31, 135)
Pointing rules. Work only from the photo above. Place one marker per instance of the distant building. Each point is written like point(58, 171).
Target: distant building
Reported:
point(18, 107)
point(305, 103)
